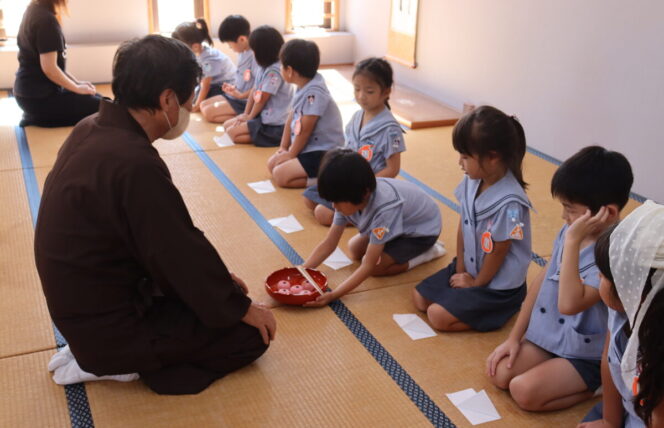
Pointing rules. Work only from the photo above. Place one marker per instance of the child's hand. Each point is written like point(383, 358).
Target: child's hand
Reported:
point(320, 301)
point(282, 156)
point(587, 225)
point(509, 348)
point(462, 280)
point(600, 423)
point(230, 90)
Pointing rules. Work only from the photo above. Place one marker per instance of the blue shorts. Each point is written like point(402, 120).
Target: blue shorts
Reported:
point(264, 135)
point(237, 105)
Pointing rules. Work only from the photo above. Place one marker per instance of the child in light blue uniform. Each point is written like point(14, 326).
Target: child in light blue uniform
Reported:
point(398, 223)
point(551, 359)
point(314, 123)
point(262, 123)
point(235, 31)
point(373, 131)
point(216, 66)
point(485, 285)
point(630, 257)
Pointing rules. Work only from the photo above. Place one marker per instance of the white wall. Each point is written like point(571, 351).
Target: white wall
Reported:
point(576, 73)
point(95, 28)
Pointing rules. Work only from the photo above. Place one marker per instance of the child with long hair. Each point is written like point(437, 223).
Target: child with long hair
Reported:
point(485, 284)
point(217, 67)
point(373, 131)
point(630, 258)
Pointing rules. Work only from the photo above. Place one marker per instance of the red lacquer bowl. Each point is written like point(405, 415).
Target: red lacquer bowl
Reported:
point(295, 278)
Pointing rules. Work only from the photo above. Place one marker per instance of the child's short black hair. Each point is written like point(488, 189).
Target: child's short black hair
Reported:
point(302, 55)
point(345, 176)
point(233, 27)
point(594, 177)
point(266, 43)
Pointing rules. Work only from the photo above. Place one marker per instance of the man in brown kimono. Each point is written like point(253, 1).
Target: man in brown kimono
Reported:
point(129, 280)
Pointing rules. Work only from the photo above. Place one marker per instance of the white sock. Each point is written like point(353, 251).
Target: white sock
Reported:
point(71, 373)
point(437, 250)
point(60, 358)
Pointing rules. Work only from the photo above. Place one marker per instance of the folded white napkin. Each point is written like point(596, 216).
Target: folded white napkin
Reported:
point(264, 186)
point(337, 260)
point(414, 326)
point(223, 140)
point(288, 224)
point(475, 406)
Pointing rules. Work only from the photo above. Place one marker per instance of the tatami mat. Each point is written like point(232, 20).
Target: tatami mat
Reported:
point(314, 374)
point(25, 325)
point(30, 399)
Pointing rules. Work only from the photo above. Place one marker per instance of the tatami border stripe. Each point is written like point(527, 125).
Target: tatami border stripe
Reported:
point(451, 204)
point(380, 354)
point(77, 397)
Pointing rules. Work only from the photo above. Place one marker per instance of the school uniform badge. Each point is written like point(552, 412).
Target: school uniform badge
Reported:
point(379, 232)
point(517, 232)
point(366, 151)
point(311, 99)
point(486, 242)
point(247, 75)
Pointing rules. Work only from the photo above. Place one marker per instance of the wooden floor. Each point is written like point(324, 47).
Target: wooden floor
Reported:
point(318, 372)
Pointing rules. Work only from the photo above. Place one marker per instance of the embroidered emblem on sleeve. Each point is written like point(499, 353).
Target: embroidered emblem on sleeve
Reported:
point(379, 232)
point(366, 151)
point(274, 79)
point(517, 232)
point(247, 75)
point(311, 99)
point(487, 242)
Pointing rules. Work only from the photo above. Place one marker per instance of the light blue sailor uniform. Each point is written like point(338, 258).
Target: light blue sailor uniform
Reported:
point(245, 74)
point(617, 322)
point(579, 336)
point(377, 140)
point(267, 129)
point(314, 99)
point(217, 66)
point(499, 213)
point(396, 209)
point(269, 80)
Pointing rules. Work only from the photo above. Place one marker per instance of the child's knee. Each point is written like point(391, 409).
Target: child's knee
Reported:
point(440, 318)
point(323, 215)
point(280, 176)
point(503, 375)
point(523, 390)
point(420, 302)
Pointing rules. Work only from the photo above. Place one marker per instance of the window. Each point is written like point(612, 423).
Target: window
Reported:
point(12, 12)
point(312, 14)
point(165, 15)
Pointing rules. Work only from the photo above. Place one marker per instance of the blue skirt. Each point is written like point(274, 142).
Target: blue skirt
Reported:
point(482, 308)
point(264, 135)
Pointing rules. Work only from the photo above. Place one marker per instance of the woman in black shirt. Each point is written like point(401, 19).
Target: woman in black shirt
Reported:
point(48, 95)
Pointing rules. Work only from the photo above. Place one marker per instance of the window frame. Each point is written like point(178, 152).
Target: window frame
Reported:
point(334, 15)
point(201, 9)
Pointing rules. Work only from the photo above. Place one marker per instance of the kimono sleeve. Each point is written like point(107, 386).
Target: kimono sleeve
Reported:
point(271, 82)
point(174, 251)
point(508, 222)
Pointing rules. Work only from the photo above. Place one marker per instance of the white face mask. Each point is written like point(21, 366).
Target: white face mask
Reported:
point(179, 128)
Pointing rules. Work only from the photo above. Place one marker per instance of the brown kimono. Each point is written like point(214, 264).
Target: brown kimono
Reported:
point(129, 280)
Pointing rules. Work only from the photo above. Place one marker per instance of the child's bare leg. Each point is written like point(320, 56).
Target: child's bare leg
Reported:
point(357, 246)
point(442, 320)
point(308, 202)
point(217, 110)
point(420, 302)
point(290, 174)
point(324, 215)
point(529, 356)
point(555, 384)
point(388, 266)
point(240, 134)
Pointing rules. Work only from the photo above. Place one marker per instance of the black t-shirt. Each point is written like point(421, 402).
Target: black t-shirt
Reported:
point(39, 33)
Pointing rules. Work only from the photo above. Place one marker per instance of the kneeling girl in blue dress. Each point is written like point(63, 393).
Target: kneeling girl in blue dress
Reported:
point(485, 284)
